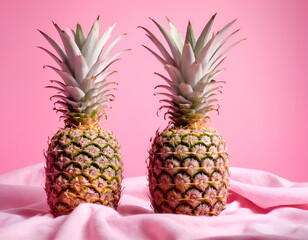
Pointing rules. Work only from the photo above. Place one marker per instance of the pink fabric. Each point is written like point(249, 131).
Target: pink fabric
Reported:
point(261, 206)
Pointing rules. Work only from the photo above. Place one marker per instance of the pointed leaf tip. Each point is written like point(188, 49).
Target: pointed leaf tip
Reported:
point(153, 20)
point(54, 23)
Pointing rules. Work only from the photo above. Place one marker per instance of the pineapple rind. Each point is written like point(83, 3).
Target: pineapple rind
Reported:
point(170, 186)
point(83, 165)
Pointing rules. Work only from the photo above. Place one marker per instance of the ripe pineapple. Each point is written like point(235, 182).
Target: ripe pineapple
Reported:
point(83, 160)
point(188, 168)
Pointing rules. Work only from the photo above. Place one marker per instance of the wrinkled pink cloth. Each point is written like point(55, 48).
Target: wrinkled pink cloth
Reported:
point(261, 206)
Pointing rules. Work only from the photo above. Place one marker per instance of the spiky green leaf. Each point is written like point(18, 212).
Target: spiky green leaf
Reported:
point(91, 41)
point(176, 36)
point(190, 36)
point(80, 36)
point(205, 36)
point(173, 47)
point(160, 47)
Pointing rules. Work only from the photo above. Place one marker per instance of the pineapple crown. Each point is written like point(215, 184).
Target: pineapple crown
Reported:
point(191, 89)
point(84, 92)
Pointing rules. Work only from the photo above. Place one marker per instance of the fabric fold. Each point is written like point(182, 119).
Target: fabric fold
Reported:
point(261, 206)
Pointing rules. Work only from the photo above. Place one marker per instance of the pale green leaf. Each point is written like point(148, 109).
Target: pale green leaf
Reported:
point(71, 48)
point(205, 36)
point(174, 73)
point(190, 35)
point(68, 79)
point(194, 74)
point(58, 49)
point(173, 47)
point(188, 58)
point(75, 93)
point(80, 36)
point(177, 37)
point(57, 60)
point(91, 41)
point(160, 47)
point(100, 45)
point(81, 68)
point(160, 59)
point(111, 46)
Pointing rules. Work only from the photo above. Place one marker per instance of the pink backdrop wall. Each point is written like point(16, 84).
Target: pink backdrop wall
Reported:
point(264, 111)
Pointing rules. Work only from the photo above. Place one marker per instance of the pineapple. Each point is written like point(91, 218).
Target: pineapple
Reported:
point(83, 160)
point(188, 169)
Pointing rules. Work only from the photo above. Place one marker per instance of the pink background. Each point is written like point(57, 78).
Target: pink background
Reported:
point(264, 111)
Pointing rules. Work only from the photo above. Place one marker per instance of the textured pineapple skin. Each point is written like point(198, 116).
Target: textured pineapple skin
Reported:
point(83, 164)
point(188, 171)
